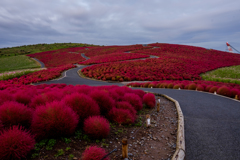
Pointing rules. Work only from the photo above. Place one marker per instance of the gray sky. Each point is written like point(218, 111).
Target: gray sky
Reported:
point(204, 23)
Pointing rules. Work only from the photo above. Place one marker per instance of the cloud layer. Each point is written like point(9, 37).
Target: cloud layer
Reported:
point(208, 24)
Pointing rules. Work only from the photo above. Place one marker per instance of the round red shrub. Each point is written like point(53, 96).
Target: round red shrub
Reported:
point(83, 105)
point(170, 85)
point(134, 100)
point(96, 127)
point(5, 96)
point(22, 97)
point(105, 102)
point(14, 113)
point(200, 88)
point(126, 105)
point(208, 88)
point(151, 85)
point(224, 90)
point(149, 100)
point(16, 143)
point(213, 89)
point(158, 85)
point(234, 92)
point(44, 98)
point(54, 120)
point(121, 116)
point(192, 86)
point(94, 153)
point(139, 92)
point(145, 85)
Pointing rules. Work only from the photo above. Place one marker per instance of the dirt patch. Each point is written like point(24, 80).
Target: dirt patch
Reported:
point(156, 142)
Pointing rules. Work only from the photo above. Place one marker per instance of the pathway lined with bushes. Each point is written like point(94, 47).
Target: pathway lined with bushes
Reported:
point(211, 122)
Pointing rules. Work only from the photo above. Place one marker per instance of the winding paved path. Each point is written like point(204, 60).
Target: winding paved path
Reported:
point(212, 123)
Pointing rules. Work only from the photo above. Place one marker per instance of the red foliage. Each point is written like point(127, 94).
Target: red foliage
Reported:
point(60, 57)
point(113, 57)
point(97, 127)
point(22, 97)
point(149, 100)
point(139, 92)
point(208, 88)
point(1, 125)
point(213, 89)
point(83, 105)
point(234, 92)
point(5, 96)
point(16, 143)
point(105, 102)
point(126, 105)
point(54, 120)
point(192, 86)
point(14, 113)
point(121, 116)
point(200, 88)
point(94, 153)
point(170, 85)
point(44, 98)
point(175, 62)
point(134, 100)
point(225, 91)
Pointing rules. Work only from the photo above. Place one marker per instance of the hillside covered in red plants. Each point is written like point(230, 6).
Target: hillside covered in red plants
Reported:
point(175, 62)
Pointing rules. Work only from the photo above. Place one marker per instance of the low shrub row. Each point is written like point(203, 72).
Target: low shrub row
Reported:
point(32, 113)
point(225, 89)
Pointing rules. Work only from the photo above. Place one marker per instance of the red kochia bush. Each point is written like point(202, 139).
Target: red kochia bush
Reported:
point(54, 120)
point(234, 92)
point(192, 86)
point(213, 89)
point(22, 97)
point(96, 127)
point(16, 143)
point(139, 92)
point(103, 99)
point(1, 125)
point(134, 100)
point(128, 106)
point(44, 98)
point(121, 116)
point(224, 90)
point(14, 113)
point(94, 153)
point(83, 105)
point(149, 100)
point(5, 96)
point(200, 88)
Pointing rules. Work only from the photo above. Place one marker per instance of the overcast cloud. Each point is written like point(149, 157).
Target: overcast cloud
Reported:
point(205, 23)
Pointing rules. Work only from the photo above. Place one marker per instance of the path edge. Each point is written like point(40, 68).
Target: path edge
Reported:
point(180, 144)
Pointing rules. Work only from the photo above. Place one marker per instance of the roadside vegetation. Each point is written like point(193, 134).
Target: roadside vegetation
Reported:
point(35, 48)
point(226, 74)
point(17, 74)
point(17, 63)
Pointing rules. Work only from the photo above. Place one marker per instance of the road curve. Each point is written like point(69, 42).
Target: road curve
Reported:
point(212, 122)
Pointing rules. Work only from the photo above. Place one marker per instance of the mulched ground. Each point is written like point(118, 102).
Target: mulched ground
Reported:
point(157, 142)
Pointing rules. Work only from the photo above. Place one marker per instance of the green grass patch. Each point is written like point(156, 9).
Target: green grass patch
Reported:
point(30, 49)
point(6, 76)
point(17, 63)
point(227, 74)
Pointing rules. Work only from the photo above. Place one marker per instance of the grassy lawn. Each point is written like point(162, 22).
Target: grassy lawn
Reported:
point(227, 74)
point(17, 63)
point(29, 49)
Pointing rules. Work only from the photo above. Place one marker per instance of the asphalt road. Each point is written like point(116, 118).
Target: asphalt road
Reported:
point(212, 123)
